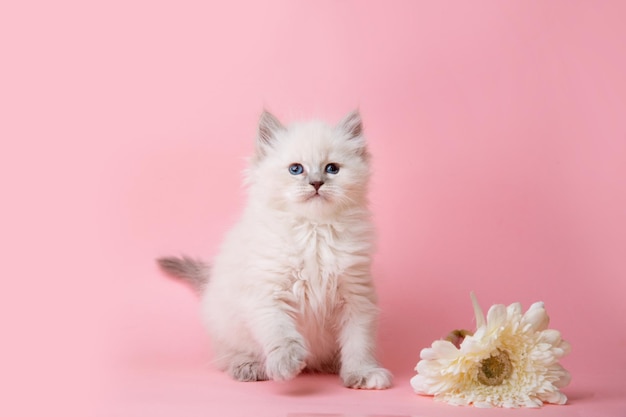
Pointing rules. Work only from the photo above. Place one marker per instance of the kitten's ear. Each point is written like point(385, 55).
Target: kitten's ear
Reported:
point(352, 128)
point(269, 126)
point(352, 125)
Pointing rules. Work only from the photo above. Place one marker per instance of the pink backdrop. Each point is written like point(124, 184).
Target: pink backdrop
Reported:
point(498, 131)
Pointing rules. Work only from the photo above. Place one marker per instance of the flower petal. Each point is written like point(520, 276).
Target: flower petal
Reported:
point(496, 318)
point(560, 376)
point(514, 310)
point(478, 312)
point(535, 319)
point(565, 348)
point(444, 349)
point(533, 403)
point(418, 382)
point(550, 336)
point(553, 397)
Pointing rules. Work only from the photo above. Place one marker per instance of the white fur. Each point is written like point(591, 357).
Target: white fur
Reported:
point(291, 287)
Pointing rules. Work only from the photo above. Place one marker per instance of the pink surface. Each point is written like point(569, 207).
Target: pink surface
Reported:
point(498, 131)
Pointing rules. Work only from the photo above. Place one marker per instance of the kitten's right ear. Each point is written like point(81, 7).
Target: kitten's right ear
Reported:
point(269, 126)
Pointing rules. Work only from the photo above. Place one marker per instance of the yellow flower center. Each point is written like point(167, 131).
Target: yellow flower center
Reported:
point(495, 369)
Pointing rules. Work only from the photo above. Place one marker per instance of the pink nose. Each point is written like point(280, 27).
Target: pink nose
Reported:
point(317, 184)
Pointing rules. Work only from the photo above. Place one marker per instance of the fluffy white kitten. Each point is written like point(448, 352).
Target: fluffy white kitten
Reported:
point(292, 288)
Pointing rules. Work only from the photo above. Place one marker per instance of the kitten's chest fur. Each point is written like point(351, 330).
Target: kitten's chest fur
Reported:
point(315, 268)
point(321, 258)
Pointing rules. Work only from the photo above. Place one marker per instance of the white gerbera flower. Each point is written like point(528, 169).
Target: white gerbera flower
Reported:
point(512, 360)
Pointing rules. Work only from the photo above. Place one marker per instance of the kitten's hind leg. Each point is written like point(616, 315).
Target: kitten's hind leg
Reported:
point(246, 368)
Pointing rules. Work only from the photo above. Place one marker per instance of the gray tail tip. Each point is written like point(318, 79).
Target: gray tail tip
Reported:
point(169, 264)
point(192, 271)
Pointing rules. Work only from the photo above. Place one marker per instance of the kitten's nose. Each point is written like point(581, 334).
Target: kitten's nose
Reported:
point(317, 184)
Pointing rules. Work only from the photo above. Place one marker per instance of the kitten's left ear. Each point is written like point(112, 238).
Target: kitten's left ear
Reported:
point(352, 125)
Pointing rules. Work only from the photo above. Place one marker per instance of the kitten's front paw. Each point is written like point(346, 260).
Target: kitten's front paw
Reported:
point(286, 361)
point(369, 378)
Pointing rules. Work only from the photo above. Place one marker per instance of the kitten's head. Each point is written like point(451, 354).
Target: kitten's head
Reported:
point(311, 169)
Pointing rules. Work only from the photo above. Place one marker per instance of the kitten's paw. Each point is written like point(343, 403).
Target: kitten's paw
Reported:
point(369, 378)
point(286, 361)
point(247, 370)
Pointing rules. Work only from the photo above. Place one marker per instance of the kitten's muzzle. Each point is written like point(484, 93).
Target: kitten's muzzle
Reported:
point(317, 184)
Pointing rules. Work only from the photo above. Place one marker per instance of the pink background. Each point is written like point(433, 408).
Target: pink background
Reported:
point(498, 130)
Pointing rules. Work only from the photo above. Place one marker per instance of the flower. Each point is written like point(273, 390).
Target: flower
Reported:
point(512, 360)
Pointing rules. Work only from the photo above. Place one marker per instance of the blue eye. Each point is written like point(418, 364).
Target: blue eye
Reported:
point(332, 168)
point(296, 169)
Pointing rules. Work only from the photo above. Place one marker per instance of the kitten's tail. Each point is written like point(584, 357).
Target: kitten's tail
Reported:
point(193, 272)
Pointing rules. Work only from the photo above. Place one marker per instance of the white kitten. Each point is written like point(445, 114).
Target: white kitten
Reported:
point(291, 288)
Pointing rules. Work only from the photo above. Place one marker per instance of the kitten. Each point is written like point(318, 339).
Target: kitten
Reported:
point(291, 288)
